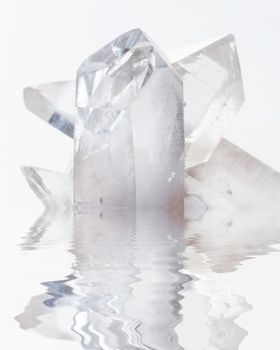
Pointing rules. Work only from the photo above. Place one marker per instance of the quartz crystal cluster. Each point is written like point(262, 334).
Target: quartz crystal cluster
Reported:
point(148, 132)
point(163, 203)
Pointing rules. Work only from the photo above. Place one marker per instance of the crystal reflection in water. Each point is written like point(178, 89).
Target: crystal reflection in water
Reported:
point(151, 282)
point(126, 283)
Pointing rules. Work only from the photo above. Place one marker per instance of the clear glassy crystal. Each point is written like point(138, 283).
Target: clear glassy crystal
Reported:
point(54, 103)
point(54, 189)
point(213, 91)
point(129, 137)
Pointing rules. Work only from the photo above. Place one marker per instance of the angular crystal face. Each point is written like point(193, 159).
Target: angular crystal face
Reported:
point(213, 91)
point(129, 135)
point(54, 103)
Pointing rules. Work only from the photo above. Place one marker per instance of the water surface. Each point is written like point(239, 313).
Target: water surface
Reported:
point(145, 282)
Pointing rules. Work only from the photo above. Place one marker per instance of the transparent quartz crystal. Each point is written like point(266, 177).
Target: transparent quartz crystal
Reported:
point(54, 103)
point(213, 91)
point(129, 133)
point(54, 189)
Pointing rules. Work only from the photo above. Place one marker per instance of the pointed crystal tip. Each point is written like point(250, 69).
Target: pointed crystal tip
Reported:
point(52, 188)
point(54, 103)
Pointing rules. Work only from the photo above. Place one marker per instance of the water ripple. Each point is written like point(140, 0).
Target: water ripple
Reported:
point(143, 282)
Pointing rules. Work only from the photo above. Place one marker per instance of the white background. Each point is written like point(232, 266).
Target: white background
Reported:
point(46, 40)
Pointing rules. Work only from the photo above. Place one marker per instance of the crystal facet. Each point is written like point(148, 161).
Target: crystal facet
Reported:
point(129, 137)
point(213, 91)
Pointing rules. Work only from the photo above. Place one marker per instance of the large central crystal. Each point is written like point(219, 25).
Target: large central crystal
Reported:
point(129, 133)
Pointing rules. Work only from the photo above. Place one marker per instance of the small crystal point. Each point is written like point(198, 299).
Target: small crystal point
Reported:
point(54, 103)
point(129, 137)
point(52, 188)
